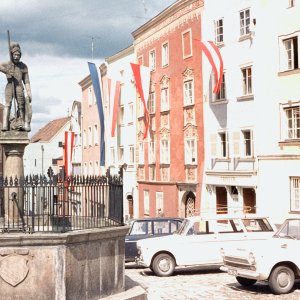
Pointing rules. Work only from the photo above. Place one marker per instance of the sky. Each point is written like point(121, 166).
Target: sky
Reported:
point(56, 40)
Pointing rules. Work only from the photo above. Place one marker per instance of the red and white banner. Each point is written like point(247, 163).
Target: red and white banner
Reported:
point(214, 57)
point(114, 89)
point(142, 80)
point(68, 151)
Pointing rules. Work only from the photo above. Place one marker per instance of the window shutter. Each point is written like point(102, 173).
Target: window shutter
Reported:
point(236, 143)
point(213, 144)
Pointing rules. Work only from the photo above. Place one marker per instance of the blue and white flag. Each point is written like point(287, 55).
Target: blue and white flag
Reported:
point(98, 95)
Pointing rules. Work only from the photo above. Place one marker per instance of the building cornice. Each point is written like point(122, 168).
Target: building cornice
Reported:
point(224, 173)
point(123, 53)
point(279, 157)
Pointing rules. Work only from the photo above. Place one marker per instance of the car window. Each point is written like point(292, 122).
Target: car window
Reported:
point(228, 226)
point(141, 228)
point(290, 230)
point(257, 225)
point(161, 227)
point(174, 225)
point(199, 227)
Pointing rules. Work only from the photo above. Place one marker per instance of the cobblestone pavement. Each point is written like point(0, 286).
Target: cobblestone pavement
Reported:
point(196, 283)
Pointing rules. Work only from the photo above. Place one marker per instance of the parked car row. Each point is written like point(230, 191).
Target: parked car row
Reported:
point(248, 247)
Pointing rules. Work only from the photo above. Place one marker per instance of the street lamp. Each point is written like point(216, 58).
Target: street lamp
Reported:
point(42, 148)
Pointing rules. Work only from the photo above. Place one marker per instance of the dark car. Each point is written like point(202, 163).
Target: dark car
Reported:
point(147, 228)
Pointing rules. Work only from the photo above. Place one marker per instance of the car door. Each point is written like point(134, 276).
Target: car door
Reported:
point(140, 229)
point(198, 246)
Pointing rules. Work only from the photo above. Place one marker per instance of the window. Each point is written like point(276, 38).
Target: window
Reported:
point(152, 173)
point(97, 170)
point(131, 154)
point(140, 107)
point(290, 58)
point(151, 103)
point(131, 113)
point(187, 43)
point(189, 92)
point(141, 152)
point(96, 134)
point(146, 203)
point(121, 115)
point(247, 135)
point(91, 168)
point(151, 152)
point(90, 136)
point(160, 202)
point(223, 144)
point(164, 99)
point(245, 22)
point(84, 138)
point(164, 152)
point(295, 193)
point(219, 31)
point(247, 81)
point(90, 96)
point(190, 151)
point(291, 3)
point(165, 55)
point(85, 170)
point(293, 122)
point(152, 60)
point(222, 93)
point(112, 155)
point(121, 155)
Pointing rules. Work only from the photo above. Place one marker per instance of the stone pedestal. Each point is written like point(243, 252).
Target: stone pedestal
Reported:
point(14, 143)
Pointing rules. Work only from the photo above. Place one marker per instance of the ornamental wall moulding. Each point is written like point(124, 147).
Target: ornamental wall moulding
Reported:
point(164, 121)
point(190, 130)
point(189, 116)
point(188, 74)
point(169, 25)
point(140, 136)
point(164, 82)
point(191, 174)
point(164, 133)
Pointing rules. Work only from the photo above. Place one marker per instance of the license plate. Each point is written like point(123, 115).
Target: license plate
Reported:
point(232, 272)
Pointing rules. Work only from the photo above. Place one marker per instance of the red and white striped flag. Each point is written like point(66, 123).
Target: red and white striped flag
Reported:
point(114, 89)
point(68, 152)
point(142, 80)
point(214, 57)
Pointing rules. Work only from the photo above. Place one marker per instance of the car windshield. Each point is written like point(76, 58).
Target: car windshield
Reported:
point(257, 225)
point(289, 230)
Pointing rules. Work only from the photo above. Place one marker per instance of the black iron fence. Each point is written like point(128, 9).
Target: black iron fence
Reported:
point(55, 204)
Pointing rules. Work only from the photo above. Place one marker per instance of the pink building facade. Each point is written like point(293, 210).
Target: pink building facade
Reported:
point(170, 159)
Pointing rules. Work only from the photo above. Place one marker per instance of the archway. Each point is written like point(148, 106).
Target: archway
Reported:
point(189, 209)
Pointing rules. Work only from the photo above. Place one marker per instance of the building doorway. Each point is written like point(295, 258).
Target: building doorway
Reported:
point(222, 204)
point(249, 196)
point(130, 206)
point(190, 205)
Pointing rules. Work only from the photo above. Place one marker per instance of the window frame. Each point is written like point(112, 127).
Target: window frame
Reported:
point(151, 103)
point(294, 194)
point(219, 31)
point(151, 152)
point(164, 99)
point(247, 87)
point(165, 54)
point(223, 144)
point(152, 60)
point(141, 153)
point(164, 151)
point(245, 22)
point(187, 55)
point(247, 143)
point(190, 151)
point(190, 91)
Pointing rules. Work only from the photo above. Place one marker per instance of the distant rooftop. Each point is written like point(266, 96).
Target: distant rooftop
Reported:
point(46, 133)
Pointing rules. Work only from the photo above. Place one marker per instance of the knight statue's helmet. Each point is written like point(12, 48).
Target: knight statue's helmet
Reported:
point(14, 47)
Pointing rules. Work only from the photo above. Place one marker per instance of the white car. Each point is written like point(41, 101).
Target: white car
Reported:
point(198, 242)
point(276, 260)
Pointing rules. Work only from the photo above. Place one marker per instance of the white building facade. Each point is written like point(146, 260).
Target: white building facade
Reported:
point(120, 148)
point(252, 126)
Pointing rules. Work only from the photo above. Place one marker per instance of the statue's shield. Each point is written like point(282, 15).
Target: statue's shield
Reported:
point(13, 269)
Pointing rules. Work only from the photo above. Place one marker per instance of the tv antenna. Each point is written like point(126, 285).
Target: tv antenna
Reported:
point(93, 39)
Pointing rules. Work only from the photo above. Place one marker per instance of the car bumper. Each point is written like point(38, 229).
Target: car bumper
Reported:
point(241, 272)
point(140, 262)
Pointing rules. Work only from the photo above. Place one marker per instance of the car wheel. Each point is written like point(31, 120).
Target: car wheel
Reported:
point(163, 265)
point(245, 281)
point(281, 280)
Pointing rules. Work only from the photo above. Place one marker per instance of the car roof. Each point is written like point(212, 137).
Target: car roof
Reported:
point(157, 219)
point(206, 217)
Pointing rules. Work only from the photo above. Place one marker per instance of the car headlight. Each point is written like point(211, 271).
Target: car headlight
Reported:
point(251, 258)
point(222, 252)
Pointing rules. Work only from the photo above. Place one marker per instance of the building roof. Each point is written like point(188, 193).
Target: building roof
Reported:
point(47, 132)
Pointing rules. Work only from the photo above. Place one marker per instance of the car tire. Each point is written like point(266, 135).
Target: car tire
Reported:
point(245, 281)
point(281, 280)
point(163, 265)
